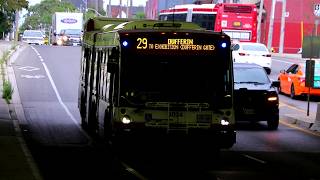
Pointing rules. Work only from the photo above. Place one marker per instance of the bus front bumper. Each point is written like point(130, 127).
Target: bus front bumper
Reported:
point(222, 136)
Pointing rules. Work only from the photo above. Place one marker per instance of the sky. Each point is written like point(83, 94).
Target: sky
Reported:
point(114, 2)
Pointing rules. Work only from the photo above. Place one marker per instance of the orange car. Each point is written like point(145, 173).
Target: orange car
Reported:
point(292, 82)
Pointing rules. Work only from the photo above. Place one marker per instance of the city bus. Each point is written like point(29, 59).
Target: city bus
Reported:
point(149, 78)
point(239, 21)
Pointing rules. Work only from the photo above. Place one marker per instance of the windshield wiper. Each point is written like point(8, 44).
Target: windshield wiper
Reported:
point(131, 102)
point(249, 82)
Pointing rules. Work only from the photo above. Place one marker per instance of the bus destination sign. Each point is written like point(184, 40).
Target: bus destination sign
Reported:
point(173, 44)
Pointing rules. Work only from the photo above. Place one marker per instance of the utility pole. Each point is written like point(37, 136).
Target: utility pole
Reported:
point(110, 10)
point(16, 33)
point(283, 23)
point(120, 9)
point(271, 24)
point(259, 21)
point(97, 7)
point(127, 8)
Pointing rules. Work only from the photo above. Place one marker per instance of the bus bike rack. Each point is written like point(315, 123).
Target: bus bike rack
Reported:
point(186, 106)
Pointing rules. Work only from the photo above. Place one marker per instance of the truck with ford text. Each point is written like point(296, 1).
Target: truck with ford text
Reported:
point(66, 22)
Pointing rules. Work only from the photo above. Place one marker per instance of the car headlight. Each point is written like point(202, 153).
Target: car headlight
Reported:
point(59, 42)
point(126, 119)
point(272, 98)
point(65, 38)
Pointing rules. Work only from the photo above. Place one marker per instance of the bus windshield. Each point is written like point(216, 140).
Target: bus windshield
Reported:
point(188, 76)
point(204, 20)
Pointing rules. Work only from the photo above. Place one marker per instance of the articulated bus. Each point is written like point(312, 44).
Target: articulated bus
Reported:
point(239, 21)
point(145, 78)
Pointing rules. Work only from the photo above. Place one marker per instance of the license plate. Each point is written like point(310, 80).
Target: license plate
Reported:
point(175, 114)
point(248, 111)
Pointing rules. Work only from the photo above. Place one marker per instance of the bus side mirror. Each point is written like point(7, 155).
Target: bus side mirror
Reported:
point(275, 84)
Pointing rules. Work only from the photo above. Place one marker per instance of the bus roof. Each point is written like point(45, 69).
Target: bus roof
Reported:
point(110, 24)
point(102, 25)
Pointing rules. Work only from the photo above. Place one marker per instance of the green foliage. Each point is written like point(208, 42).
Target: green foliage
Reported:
point(139, 15)
point(13, 5)
point(89, 15)
point(40, 15)
point(8, 9)
point(7, 91)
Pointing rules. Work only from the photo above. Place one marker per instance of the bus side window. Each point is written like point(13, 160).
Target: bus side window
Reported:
point(113, 57)
point(103, 82)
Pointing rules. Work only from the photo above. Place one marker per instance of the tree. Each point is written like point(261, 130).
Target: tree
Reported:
point(39, 16)
point(13, 5)
point(7, 14)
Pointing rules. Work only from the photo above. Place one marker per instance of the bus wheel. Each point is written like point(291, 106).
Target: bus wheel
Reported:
point(108, 130)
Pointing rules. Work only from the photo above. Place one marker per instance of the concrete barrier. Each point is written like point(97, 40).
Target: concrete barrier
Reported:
point(316, 124)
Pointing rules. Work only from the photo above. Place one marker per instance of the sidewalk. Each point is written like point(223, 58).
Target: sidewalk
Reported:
point(285, 55)
point(14, 161)
point(300, 119)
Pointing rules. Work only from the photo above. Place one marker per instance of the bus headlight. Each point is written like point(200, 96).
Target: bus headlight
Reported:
point(224, 122)
point(126, 119)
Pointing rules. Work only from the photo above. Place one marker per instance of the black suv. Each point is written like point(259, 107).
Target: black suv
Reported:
point(255, 96)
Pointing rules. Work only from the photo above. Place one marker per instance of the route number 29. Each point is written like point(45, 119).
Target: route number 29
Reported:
point(142, 43)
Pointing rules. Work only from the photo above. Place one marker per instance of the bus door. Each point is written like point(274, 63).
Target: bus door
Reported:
point(84, 84)
point(92, 93)
point(106, 88)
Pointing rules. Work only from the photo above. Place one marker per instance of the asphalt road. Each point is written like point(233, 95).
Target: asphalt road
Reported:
point(47, 79)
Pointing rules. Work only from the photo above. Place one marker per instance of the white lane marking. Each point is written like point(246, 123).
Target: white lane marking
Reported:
point(283, 61)
point(59, 98)
point(29, 68)
point(134, 172)
point(255, 159)
point(38, 76)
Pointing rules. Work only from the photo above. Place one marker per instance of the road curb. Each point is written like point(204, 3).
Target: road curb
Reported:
point(306, 123)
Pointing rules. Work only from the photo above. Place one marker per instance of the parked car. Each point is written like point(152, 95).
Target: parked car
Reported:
point(33, 37)
point(292, 81)
point(255, 95)
point(248, 52)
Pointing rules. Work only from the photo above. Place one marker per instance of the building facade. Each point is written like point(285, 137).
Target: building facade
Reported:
point(300, 20)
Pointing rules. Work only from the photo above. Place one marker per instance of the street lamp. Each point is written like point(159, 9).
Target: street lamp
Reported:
point(95, 11)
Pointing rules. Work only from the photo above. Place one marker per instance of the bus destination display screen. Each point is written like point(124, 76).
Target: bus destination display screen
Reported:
point(173, 44)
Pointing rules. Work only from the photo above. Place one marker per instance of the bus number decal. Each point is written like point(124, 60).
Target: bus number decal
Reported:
point(143, 43)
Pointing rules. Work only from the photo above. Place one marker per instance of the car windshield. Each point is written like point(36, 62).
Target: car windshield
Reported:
point(32, 34)
point(256, 47)
point(250, 75)
point(71, 31)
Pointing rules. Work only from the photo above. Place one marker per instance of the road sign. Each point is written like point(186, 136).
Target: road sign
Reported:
point(312, 73)
point(316, 11)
